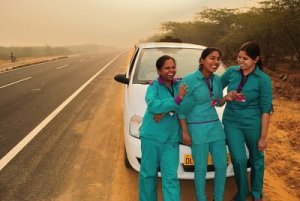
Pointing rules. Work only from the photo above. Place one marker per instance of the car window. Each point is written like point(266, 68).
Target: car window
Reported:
point(186, 62)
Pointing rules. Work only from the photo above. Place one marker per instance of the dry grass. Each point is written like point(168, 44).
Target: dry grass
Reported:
point(7, 65)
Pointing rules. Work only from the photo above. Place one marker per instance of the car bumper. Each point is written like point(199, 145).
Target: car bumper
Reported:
point(133, 150)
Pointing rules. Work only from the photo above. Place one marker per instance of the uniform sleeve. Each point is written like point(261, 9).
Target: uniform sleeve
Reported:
point(187, 103)
point(266, 95)
point(220, 96)
point(225, 78)
point(157, 105)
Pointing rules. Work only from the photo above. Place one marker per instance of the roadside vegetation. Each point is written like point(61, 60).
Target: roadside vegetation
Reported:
point(274, 24)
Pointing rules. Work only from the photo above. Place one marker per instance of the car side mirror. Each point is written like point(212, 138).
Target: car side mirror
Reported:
point(121, 78)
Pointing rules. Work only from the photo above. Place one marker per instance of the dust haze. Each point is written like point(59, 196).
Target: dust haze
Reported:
point(112, 23)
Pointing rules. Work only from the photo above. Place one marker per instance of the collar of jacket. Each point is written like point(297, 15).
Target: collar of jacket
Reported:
point(200, 76)
point(257, 71)
point(161, 81)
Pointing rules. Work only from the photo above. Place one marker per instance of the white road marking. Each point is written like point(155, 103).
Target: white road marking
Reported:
point(62, 66)
point(12, 153)
point(16, 82)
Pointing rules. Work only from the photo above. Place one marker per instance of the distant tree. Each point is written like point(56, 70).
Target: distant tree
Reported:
point(288, 19)
point(169, 39)
point(274, 24)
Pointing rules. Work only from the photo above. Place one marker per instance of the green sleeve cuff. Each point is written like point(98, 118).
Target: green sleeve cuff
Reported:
point(181, 116)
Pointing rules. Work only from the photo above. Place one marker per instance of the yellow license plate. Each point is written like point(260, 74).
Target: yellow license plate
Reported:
point(188, 160)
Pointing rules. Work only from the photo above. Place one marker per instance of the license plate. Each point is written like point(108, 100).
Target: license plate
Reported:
point(188, 160)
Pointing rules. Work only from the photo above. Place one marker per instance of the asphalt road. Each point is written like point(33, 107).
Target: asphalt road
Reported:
point(41, 169)
point(40, 89)
point(79, 154)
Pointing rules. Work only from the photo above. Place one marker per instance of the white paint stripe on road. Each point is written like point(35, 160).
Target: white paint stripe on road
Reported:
point(16, 82)
point(62, 66)
point(12, 153)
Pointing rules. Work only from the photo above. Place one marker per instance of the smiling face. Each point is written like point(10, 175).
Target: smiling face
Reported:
point(168, 71)
point(211, 63)
point(246, 63)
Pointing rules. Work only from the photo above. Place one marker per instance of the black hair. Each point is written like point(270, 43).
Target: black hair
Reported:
point(207, 51)
point(252, 50)
point(161, 61)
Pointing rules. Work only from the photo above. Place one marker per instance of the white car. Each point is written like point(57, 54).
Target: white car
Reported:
point(136, 79)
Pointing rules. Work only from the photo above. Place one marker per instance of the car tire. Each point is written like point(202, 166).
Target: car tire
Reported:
point(126, 161)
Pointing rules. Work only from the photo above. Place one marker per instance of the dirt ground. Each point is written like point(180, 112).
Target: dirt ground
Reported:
point(282, 175)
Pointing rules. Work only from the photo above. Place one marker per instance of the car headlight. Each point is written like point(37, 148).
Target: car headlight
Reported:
point(135, 125)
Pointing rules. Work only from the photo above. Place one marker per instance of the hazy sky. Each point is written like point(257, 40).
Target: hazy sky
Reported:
point(110, 22)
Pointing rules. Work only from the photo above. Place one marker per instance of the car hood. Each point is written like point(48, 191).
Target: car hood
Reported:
point(139, 104)
point(138, 98)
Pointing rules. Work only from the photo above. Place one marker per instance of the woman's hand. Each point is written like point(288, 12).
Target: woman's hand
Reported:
point(186, 138)
point(157, 117)
point(230, 96)
point(262, 144)
point(183, 89)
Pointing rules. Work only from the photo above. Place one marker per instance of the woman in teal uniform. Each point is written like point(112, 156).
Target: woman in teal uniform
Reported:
point(160, 139)
point(201, 127)
point(246, 118)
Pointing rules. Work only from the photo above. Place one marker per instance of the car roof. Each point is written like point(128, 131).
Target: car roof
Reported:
point(169, 44)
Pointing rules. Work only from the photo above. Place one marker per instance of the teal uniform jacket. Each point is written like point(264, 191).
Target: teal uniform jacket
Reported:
point(202, 118)
point(258, 93)
point(159, 100)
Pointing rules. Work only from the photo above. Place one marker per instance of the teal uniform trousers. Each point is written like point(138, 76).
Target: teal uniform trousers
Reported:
point(160, 143)
point(205, 128)
point(166, 157)
point(242, 125)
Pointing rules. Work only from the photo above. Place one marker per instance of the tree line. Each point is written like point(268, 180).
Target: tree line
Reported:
point(274, 24)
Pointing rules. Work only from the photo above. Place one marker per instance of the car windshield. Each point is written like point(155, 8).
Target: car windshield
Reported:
point(186, 62)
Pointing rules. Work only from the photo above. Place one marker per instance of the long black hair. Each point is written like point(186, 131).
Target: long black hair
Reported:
point(161, 61)
point(252, 50)
point(207, 51)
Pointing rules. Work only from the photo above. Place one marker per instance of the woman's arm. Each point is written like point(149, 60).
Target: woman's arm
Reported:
point(225, 78)
point(230, 96)
point(266, 108)
point(262, 142)
point(157, 105)
point(186, 138)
